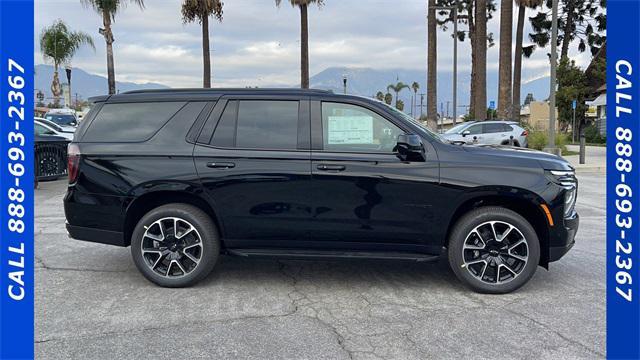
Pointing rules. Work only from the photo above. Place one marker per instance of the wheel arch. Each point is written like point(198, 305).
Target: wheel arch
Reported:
point(523, 202)
point(144, 203)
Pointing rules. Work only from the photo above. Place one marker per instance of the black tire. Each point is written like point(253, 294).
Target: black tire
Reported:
point(206, 230)
point(464, 228)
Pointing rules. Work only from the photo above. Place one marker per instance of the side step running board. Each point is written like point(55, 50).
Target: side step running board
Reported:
point(332, 254)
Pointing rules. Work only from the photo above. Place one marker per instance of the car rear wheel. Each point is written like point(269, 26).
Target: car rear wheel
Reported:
point(493, 250)
point(175, 245)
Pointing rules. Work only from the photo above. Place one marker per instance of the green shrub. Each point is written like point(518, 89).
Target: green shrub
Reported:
point(592, 136)
point(538, 140)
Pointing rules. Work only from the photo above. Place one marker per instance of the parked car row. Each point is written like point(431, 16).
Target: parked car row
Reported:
point(52, 134)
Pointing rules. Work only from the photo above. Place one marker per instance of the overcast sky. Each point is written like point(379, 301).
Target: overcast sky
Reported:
point(258, 44)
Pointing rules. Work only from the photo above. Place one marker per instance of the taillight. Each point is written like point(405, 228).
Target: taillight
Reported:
point(73, 162)
point(525, 133)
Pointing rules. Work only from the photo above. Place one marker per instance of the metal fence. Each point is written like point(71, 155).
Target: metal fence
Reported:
point(50, 159)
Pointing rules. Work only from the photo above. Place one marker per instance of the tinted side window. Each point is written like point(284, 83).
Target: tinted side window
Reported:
point(493, 128)
point(475, 129)
point(267, 125)
point(225, 133)
point(356, 129)
point(507, 128)
point(130, 122)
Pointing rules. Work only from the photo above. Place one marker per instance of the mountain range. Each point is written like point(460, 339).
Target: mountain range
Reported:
point(360, 81)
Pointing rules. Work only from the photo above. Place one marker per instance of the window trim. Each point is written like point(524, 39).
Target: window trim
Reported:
point(319, 139)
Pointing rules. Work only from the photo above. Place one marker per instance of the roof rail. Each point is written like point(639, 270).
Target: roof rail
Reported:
point(218, 90)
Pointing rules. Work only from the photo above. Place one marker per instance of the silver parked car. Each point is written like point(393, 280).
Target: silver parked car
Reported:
point(488, 132)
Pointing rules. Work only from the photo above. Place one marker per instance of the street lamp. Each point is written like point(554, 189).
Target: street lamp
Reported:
point(551, 146)
point(344, 83)
point(454, 10)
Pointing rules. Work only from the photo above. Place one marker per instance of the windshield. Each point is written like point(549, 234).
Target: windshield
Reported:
point(455, 129)
point(62, 119)
point(425, 131)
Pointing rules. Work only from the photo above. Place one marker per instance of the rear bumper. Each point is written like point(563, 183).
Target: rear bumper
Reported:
point(96, 235)
point(565, 238)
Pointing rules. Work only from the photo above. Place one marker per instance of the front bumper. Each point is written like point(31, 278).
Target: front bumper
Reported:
point(564, 239)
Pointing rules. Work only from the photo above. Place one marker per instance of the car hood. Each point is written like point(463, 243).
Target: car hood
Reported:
point(499, 152)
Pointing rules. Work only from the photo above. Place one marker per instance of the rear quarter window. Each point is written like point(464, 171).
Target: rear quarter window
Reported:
point(130, 122)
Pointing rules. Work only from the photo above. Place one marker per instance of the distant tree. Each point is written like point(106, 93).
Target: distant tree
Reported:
point(400, 105)
point(572, 85)
point(582, 20)
point(466, 18)
point(521, 51)
point(505, 90)
point(388, 98)
point(415, 87)
point(304, 37)
point(480, 77)
point(108, 9)
point(380, 95)
point(200, 11)
point(432, 64)
point(529, 99)
point(58, 44)
point(397, 88)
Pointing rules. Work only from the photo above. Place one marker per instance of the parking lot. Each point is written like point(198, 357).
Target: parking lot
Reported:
point(91, 302)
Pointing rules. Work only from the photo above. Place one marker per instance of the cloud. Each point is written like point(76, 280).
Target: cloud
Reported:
point(259, 44)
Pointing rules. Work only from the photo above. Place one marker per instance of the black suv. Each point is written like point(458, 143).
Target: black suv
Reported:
point(185, 175)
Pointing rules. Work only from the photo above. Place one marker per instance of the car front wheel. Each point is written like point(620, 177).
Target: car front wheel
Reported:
point(493, 250)
point(175, 245)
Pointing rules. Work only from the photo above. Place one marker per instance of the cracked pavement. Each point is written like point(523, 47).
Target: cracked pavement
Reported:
point(91, 303)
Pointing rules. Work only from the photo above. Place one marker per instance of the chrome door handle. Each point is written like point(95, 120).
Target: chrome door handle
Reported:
point(324, 167)
point(221, 165)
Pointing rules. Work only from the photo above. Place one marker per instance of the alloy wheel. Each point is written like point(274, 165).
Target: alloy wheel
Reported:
point(495, 252)
point(171, 247)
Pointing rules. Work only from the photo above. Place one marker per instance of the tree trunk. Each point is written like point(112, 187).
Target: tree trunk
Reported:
point(432, 60)
point(472, 40)
point(566, 38)
point(206, 53)
point(504, 63)
point(108, 37)
point(517, 64)
point(481, 61)
point(304, 46)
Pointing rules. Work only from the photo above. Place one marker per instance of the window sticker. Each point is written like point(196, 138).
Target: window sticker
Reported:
point(350, 130)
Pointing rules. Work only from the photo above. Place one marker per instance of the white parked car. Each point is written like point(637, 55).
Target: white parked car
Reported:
point(488, 133)
point(42, 129)
point(66, 117)
point(61, 128)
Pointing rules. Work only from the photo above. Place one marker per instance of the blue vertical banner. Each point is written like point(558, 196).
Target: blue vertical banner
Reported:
point(16, 180)
point(623, 180)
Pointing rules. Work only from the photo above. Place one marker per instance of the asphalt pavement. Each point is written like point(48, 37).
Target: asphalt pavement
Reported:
point(92, 303)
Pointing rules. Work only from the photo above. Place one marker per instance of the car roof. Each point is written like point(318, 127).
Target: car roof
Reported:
point(204, 94)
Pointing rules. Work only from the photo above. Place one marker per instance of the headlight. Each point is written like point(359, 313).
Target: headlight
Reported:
point(566, 179)
point(569, 201)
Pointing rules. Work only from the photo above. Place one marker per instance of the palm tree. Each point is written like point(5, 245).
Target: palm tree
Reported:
point(304, 37)
point(432, 61)
point(520, 51)
point(108, 9)
point(388, 98)
point(200, 10)
point(380, 96)
point(59, 44)
point(397, 88)
point(480, 77)
point(415, 87)
point(504, 62)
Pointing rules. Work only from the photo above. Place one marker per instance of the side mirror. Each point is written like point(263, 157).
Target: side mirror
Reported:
point(409, 148)
point(465, 133)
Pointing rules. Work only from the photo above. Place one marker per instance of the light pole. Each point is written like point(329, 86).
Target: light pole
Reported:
point(551, 146)
point(454, 10)
point(344, 83)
